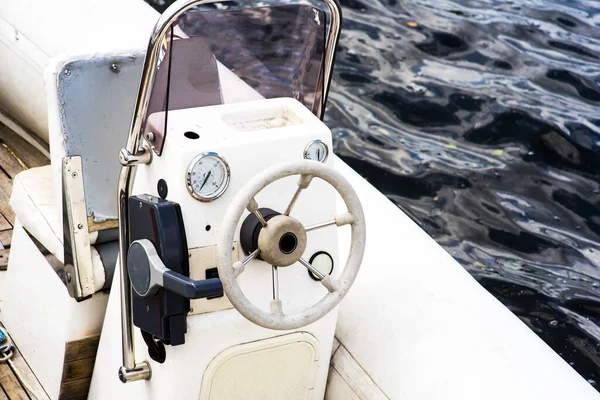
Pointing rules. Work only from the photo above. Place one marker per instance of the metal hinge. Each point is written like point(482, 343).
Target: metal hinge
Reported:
point(79, 270)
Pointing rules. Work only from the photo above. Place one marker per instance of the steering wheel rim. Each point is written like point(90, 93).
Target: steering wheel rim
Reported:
point(229, 272)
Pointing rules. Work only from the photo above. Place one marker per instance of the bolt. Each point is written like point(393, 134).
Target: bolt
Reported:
point(115, 67)
point(74, 174)
point(67, 72)
point(150, 137)
point(80, 226)
point(68, 277)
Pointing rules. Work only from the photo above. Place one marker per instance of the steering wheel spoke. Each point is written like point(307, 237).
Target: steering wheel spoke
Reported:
point(240, 266)
point(303, 183)
point(251, 257)
point(320, 226)
point(238, 269)
point(326, 280)
point(275, 283)
point(330, 284)
point(253, 208)
point(345, 219)
point(312, 269)
point(340, 220)
point(277, 308)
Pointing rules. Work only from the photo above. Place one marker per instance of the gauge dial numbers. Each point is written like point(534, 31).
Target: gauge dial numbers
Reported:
point(316, 150)
point(208, 177)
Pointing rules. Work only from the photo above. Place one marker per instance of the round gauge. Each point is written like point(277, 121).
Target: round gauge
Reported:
point(323, 262)
point(208, 177)
point(316, 151)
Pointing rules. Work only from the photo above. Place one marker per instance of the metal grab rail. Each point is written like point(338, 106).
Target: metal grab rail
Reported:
point(133, 155)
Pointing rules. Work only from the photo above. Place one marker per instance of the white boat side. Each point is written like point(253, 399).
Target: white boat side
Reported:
point(415, 325)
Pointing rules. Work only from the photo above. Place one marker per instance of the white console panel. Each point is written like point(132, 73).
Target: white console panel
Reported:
point(250, 137)
point(248, 152)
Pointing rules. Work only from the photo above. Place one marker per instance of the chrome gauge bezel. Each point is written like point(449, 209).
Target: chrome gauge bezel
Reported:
point(188, 177)
point(308, 146)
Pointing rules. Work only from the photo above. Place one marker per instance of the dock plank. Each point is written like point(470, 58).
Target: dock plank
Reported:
point(4, 225)
point(74, 389)
point(10, 384)
point(5, 191)
point(24, 371)
point(6, 237)
point(9, 161)
point(80, 356)
point(28, 154)
point(4, 254)
point(80, 349)
point(79, 369)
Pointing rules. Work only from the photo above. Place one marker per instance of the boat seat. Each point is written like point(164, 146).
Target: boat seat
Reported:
point(33, 201)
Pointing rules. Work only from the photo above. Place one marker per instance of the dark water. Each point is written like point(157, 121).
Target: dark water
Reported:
point(480, 120)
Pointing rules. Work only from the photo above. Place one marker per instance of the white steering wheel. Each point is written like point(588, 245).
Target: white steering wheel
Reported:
point(273, 234)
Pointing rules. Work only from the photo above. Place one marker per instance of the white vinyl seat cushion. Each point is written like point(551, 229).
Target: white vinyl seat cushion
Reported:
point(34, 204)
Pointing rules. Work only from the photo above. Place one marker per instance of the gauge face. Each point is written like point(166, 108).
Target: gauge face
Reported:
point(208, 177)
point(316, 151)
point(323, 262)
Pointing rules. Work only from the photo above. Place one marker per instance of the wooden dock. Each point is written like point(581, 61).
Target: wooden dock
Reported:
point(17, 382)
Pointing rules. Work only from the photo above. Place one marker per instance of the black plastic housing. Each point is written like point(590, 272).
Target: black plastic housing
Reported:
point(160, 221)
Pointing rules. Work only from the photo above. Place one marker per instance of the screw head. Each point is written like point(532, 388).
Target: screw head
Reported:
point(147, 308)
point(114, 67)
point(150, 137)
point(68, 277)
point(80, 226)
point(67, 72)
point(74, 174)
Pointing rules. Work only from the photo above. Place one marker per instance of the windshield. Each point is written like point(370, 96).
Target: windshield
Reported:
point(213, 57)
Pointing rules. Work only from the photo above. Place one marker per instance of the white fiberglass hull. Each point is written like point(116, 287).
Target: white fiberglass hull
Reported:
point(415, 325)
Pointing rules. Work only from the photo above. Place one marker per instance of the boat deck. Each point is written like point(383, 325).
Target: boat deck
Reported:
point(16, 379)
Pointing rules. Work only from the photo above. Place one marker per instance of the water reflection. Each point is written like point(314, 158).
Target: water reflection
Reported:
point(479, 119)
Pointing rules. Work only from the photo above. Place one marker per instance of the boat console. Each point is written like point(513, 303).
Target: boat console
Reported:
point(229, 226)
point(236, 224)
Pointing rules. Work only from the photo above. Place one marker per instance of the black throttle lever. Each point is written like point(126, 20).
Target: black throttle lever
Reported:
point(148, 274)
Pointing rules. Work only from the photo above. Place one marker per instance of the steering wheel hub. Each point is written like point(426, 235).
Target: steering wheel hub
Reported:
point(282, 242)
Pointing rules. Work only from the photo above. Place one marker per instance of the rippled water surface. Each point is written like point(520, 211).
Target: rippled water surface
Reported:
point(480, 120)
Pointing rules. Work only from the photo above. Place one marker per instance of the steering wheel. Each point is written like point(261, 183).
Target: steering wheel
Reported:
point(282, 241)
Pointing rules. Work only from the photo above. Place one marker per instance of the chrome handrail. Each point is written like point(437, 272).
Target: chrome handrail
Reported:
point(134, 154)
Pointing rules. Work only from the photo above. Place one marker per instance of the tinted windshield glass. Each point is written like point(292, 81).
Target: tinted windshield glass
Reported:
point(225, 56)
